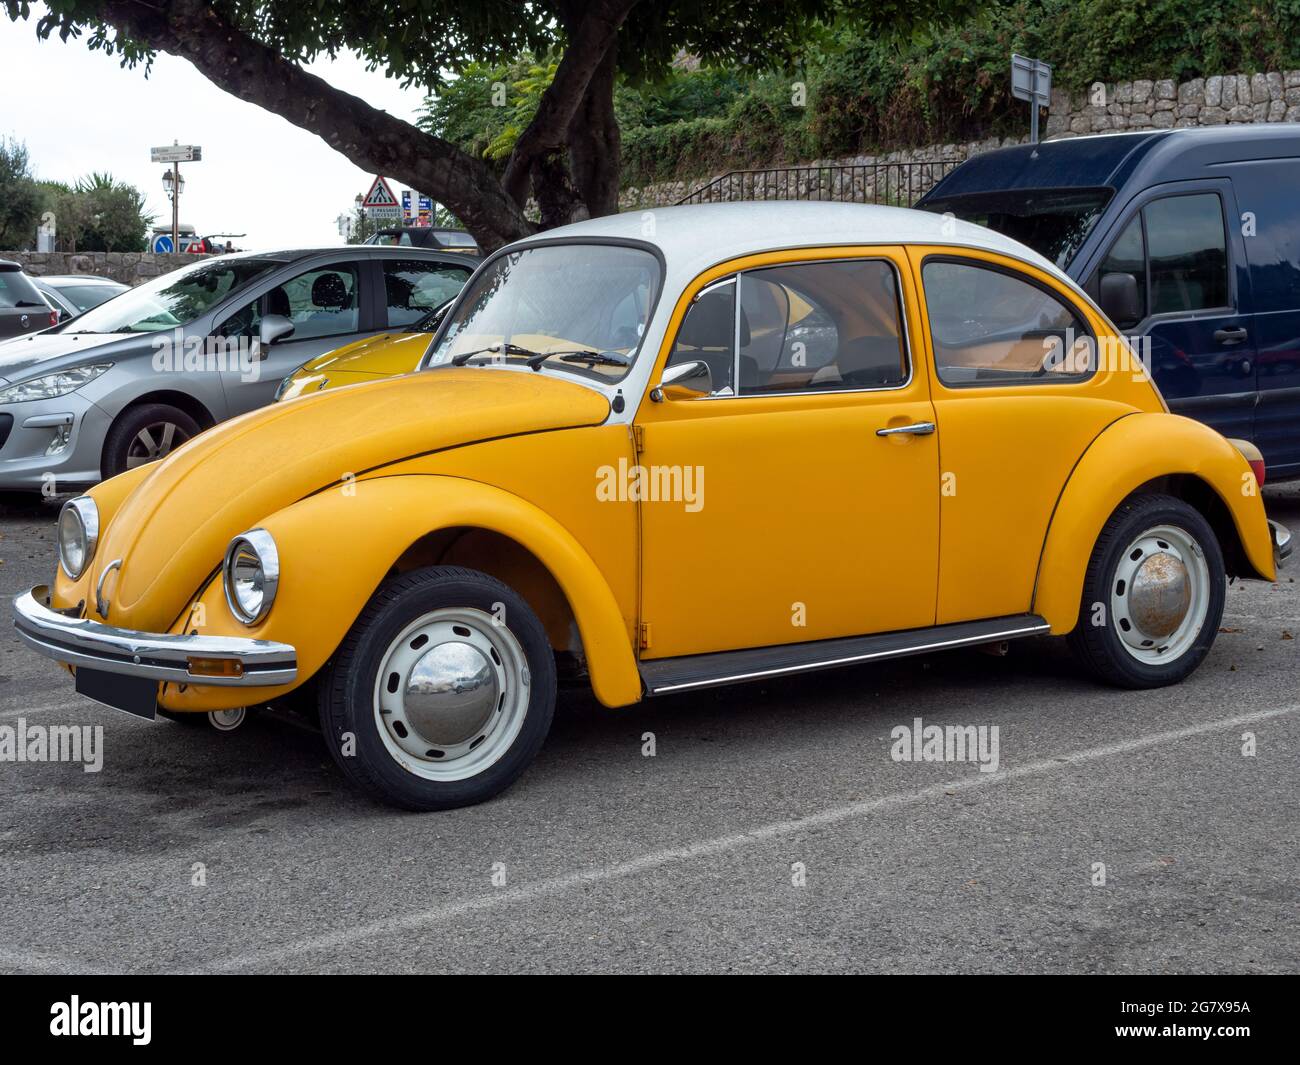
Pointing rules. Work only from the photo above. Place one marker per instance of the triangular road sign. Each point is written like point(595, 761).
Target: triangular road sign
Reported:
point(380, 195)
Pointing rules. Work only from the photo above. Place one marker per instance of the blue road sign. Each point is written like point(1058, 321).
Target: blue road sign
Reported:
point(162, 244)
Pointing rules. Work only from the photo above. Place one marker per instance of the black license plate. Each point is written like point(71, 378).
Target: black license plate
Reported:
point(135, 695)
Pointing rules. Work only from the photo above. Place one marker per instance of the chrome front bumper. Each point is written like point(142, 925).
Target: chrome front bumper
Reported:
point(156, 656)
point(1281, 541)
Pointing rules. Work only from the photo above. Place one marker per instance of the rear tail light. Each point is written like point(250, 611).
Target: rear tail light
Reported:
point(54, 317)
point(1257, 465)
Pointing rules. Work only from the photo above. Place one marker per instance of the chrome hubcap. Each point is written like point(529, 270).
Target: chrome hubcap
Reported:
point(153, 442)
point(451, 694)
point(1160, 594)
point(227, 720)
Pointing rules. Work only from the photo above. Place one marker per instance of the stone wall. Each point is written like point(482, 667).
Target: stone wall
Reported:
point(1215, 101)
point(128, 267)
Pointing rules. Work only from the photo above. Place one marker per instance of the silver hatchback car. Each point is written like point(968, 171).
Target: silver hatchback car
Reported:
point(132, 379)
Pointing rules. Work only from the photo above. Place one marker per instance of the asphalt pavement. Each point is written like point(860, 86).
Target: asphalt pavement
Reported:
point(770, 831)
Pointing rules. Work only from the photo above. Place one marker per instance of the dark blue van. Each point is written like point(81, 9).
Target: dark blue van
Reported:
point(1190, 237)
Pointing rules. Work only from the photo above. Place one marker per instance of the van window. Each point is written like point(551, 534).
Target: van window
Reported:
point(992, 327)
point(1176, 247)
point(1188, 251)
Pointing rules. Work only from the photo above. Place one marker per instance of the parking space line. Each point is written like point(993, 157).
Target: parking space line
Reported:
point(656, 860)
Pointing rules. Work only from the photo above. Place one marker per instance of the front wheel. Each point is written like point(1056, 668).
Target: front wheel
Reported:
point(1152, 596)
point(442, 692)
point(146, 433)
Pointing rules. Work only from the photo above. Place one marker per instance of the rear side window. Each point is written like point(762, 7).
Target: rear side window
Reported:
point(992, 327)
point(415, 287)
point(16, 290)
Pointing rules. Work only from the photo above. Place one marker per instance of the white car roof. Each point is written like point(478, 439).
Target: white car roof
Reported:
point(696, 237)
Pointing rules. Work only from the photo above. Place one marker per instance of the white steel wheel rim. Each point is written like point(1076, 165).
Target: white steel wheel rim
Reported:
point(451, 694)
point(1160, 595)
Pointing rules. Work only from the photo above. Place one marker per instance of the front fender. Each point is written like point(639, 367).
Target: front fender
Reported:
point(1128, 454)
point(337, 546)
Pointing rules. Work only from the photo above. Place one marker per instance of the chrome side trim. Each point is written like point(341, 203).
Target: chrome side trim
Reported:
point(993, 636)
point(157, 656)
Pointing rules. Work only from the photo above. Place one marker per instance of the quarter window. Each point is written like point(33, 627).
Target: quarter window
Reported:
point(990, 327)
point(708, 335)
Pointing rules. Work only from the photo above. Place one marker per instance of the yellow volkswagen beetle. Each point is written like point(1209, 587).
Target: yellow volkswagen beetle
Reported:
point(694, 447)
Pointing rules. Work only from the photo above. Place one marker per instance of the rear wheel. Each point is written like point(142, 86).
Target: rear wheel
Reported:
point(442, 692)
point(146, 433)
point(1152, 596)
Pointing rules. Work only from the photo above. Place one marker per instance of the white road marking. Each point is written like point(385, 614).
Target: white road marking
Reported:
point(707, 848)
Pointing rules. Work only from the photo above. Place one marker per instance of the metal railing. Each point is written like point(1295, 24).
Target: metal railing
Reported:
point(893, 184)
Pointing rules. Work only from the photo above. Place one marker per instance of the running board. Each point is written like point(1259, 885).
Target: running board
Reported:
point(662, 676)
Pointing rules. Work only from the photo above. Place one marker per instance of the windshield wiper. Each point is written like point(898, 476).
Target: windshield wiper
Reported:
point(591, 358)
point(494, 349)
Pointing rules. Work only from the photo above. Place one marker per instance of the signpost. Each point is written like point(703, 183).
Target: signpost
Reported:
point(1031, 79)
point(175, 154)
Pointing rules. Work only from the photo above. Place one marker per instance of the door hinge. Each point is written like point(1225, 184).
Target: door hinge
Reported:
point(638, 438)
point(643, 635)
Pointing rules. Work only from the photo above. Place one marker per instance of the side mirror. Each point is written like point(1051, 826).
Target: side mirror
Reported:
point(1118, 297)
point(274, 328)
point(691, 376)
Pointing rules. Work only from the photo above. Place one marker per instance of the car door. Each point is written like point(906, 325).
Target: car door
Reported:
point(1014, 361)
point(329, 305)
point(1194, 300)
point(773, 510)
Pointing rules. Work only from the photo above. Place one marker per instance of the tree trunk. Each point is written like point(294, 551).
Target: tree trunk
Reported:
point(595, 144)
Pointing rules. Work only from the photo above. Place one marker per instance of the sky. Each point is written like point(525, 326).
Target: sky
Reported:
point(78, 111)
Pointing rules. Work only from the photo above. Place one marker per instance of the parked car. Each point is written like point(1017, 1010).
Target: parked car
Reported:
point(130, 380)
point(427, 237)
point(622, 460)
point(386, 355)
point(22, 310)
point(1189, 238)
point(75, 294)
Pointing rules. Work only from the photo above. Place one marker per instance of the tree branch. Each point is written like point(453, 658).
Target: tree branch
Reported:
point(376, 141)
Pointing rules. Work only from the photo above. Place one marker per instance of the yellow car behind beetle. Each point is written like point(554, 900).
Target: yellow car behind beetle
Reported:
point(713, 445)
point(368, 359)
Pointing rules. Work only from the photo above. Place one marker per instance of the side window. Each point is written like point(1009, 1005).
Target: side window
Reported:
point(322, 302)
point(413, 288)
point(1188, 250)
point(708, 334)
point(990, 327)
point(818, 327)
point(245, 322)
point(1128, 256)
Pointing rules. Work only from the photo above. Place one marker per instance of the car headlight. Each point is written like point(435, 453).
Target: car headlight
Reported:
point(78, 534)
point(251, 575)
point(53, 385)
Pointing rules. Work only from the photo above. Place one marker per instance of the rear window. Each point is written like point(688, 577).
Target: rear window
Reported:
point(17, 290)
point(455, 239)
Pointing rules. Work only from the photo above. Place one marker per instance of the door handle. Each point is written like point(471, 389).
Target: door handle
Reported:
point(915, 429)
point(1234, 335)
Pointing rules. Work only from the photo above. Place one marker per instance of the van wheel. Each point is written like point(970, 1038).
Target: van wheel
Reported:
point(145, 434)
point(442, 692)
point(1152, 596)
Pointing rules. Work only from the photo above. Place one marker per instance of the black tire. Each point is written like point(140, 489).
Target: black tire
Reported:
point(121, 440)
point(350, 679)
point(1097, 641)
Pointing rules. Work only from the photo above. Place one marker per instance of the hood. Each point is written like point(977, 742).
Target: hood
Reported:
point(385, 355)
point(172, 531)
point(22, 354)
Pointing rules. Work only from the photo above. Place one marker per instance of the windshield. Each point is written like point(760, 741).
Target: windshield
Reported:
point(1054, 222)
point(174, 299)
point(558, 298)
